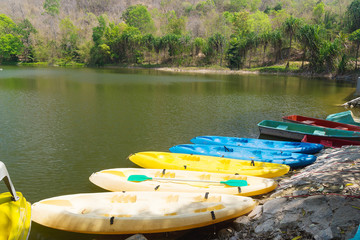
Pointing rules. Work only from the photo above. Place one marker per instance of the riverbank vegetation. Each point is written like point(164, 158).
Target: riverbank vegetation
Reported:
point(324, 35)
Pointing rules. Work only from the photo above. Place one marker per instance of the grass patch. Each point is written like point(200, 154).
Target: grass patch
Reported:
point(293, 67)
point(34, 64)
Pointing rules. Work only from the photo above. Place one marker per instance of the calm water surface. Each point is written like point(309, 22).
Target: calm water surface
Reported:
point(58, 126)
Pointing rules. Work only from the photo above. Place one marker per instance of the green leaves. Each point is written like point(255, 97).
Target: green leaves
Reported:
point(10, 46)
point(10, 40)
point(51, 7)
point(138, 16)
point(353, 13)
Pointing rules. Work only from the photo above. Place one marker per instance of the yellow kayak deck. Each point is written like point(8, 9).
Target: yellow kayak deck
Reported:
point(15, 217)
point(138, 212)
point(116, 179)
point(176, 161)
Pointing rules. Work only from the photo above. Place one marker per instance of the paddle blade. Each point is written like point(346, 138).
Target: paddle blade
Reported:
point(138, 178)
point(235, 183)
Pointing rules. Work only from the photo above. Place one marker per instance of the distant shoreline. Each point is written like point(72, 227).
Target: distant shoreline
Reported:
point(350, 76)
point(199, 70)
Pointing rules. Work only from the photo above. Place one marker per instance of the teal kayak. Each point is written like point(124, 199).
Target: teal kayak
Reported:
point(298, 131)
point(297, 147)
point(241, 153)
point(342, 117)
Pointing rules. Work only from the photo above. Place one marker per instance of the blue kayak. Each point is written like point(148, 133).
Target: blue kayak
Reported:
point(298, 147)
point(241, 153)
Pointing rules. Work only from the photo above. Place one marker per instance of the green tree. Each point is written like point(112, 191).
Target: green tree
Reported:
point(239, 21)
point(318, 12)
point(353, 16)
point(10, 47)
point(259, 23)
point(355, 38)
point(138, 16)
point(51, 7)
point(130, 40)
point(69, 39)
point(149, 42)
point(251, 44)
point(7, 25)
point(291, 26)
point(329, 52)
point(236, 52)
point(215, 48)
point(199, 44)
point(276, 39)
point(176, 25)
point(10, 40)
point(100, 53)
point(25, 30)
point(310, 39)
point(99, 31)
point(205, 6)
point(235, 5)
point(264, 39)
point(172, 43)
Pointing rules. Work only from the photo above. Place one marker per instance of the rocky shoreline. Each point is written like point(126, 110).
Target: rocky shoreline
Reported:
point(320, 201)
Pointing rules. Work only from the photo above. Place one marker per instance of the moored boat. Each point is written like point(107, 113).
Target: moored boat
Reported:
point(329, 142)
point(15, 211)
point(261, 155)
point(177, 161)
point(342, 117)
point(122, 179)
point(298, 131)
point(320, 122)
point(138, 212)
point(259, 144)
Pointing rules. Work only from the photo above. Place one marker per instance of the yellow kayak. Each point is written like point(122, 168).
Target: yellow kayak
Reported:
point(164, 160)
point(138, 212)
point(15, 211)
point(117, 180)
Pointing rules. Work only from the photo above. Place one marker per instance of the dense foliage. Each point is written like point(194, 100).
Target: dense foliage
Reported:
point(323, 35)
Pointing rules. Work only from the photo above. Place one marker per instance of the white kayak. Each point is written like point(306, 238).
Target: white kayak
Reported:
point(119, 179)
point(138, 212)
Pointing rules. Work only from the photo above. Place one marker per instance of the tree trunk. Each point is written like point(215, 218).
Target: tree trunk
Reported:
point(265, 46)
point(289, 53)
point(357, 55)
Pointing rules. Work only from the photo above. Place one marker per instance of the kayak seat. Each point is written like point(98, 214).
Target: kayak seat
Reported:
point(319, 132)
point(282, 127)
point(209, 209)
point(205, 177)
point(172, 198)
point(127, 198)
point(166, 175)
point(212, 199)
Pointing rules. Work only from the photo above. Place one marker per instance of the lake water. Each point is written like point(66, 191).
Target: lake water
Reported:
point(58, 126)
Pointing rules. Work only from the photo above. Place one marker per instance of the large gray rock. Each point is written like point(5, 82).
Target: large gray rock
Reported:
point(320, 201)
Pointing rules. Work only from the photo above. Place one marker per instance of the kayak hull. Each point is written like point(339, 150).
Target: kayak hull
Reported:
point(297, 131)
point(177, 161)
point(270, 156)
point(138, 212)
point(116, 180)
point(329, 142)
point(15, 217)
point(298, 147)
point(320, 123)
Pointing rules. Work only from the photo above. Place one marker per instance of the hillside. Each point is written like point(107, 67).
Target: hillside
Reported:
point(231, 33)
